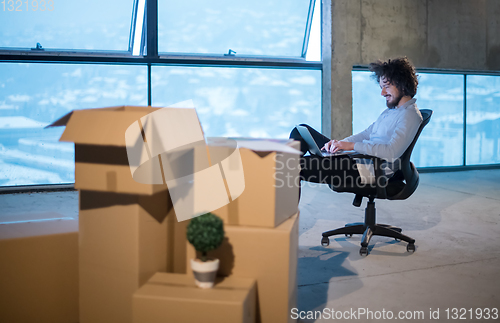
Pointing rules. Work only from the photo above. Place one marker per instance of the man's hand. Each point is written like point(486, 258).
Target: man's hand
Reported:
point(329, 145)
point(334, 145)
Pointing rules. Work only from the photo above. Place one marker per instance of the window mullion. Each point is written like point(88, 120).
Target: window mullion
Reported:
point(152, 28)
point(465, 121)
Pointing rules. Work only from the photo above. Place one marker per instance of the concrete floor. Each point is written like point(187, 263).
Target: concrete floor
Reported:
point(454, 218)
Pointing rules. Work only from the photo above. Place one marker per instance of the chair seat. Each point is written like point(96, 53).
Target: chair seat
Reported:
point(392, 189)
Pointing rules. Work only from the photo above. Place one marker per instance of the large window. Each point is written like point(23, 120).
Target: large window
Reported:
point(243, 102)
point(68, 24)
point(34, 95)
point(259, 27)
point(57, 56)
point(442, 141)
point(483, 119)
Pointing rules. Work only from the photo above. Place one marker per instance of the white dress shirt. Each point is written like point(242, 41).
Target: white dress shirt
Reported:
point(390, 135)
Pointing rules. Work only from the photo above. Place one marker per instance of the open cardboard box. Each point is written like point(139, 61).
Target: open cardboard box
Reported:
point(271, 183)
point(116, 148)
point(176, 298)
point(146, 150)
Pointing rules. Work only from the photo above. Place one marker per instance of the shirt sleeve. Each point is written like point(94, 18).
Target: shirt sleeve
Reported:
point(364, 135)
point(404, 133)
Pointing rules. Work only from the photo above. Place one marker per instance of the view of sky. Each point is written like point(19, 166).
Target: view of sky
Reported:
point(234, 102)
point(441, 142)
point(237, 102)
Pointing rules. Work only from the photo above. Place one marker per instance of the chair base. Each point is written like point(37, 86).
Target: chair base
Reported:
point(368, 230)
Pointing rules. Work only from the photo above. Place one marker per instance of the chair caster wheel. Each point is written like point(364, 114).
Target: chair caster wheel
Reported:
point(410, 247)
point(325, 242)
point(349, 235)
point(363, 251)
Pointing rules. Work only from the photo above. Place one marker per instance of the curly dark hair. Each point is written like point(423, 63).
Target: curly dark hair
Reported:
point(398, 71)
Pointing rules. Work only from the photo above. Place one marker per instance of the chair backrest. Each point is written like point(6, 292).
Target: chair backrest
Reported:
point(410, 173)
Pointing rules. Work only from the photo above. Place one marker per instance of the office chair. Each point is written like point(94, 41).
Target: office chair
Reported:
point(399, 187)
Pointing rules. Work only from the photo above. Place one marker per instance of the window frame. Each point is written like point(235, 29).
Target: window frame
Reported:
point(149, 56)
point(149, 49)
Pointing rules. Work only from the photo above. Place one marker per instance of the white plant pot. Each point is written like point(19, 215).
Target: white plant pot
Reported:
point(204, 272)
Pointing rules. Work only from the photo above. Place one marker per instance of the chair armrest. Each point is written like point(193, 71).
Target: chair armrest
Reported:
point(380, 179)
point(362, 156)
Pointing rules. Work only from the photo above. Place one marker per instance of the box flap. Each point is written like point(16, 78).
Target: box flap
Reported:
point(268, 145)
point(104, 126)
point(258, 145)
point(62, 121)
point(171, 128)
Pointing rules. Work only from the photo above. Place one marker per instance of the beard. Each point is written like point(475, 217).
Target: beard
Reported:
point(394, 102)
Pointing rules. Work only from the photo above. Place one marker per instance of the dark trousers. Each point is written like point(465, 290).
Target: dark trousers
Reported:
point(333, 170)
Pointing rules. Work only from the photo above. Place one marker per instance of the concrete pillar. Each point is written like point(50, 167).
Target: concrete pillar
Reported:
point(346, 33)
point(436, 34)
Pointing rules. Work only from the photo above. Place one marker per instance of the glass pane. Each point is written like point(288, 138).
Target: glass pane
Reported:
point(259, 27)
point(483, 119)
point(69, 24)
point(243, 102)
point(34, 95)
point(441, 142)
point(314, 46)
point(367, 103)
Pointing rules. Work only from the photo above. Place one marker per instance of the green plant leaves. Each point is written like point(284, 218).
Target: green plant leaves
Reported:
point(205, 232)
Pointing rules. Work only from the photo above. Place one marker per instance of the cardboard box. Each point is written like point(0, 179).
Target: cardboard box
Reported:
point(175, 298)
point(267, 255)
point(271, 184)
point(124, 239)
point(119, 149)
point(145, 150)
point(39, 270)
point(244, 181)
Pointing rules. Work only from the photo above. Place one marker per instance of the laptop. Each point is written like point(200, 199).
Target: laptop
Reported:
point(313, 147)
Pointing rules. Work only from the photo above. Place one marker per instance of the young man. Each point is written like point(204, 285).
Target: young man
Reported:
point(386, 138)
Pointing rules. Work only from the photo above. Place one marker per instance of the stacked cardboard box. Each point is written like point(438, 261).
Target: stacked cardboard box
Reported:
point(176, 298)
point(39, 268)
point(261, 241)
point(270, 257)
point(123, 242)
point(261, 232)
point(271, 184)
point(127, 228)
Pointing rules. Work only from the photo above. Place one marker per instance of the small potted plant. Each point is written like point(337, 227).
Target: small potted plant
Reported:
point(205, 233)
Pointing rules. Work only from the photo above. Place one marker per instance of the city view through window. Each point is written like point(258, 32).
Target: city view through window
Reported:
point(237, 102)
point(231, 101)
point(442, 141)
